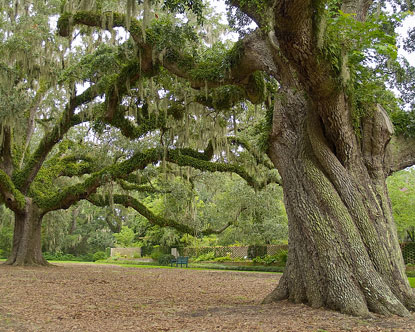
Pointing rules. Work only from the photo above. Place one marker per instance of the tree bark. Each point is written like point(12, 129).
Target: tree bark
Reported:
point(27, 246)
point(343, 247)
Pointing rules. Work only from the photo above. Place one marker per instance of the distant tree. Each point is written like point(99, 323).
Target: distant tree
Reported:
point(125, 238)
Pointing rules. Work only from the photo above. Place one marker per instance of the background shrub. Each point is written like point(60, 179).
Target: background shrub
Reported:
point(279, 258)
point(99, 255)
point(165, 259)
point(68, 257)
point(223, 259)
point(205, 257)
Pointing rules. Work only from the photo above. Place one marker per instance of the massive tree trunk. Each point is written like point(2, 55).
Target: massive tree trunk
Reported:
point(343, 248)
point(27, 246)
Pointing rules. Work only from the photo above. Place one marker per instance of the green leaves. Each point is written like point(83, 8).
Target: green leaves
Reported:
point(181, 6)
point(125, 238)
point(215, 61)
point(363, 54)
point(104, 61)
point(360, 39)
point(164, 34)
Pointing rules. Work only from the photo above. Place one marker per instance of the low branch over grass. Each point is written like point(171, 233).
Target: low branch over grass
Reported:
point(140, 160)
point(131, 202)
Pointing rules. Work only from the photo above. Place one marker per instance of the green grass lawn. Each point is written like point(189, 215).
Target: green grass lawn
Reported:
point(412, 282)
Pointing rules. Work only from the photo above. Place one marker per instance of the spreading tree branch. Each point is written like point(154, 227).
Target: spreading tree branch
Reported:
point(181, 158)
point(24, 178)
point(130, 130)
point(131, 202)
point(72, 169)
point(251, 54)
point(122, 170)
point(141, 188)
point(74, 193)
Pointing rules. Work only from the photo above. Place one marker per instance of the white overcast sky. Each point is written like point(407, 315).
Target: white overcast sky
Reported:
point(408, 23)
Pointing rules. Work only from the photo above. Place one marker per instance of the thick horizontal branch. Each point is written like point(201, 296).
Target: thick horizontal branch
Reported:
point(129, 201)
point(251, 54)
point(107, 21)
point(72, 194)
point(72, 169)
point(122, 170)
point(400, 154)
point(177, 157)
point(143, 188)
point(130, 130)
point(77, 157)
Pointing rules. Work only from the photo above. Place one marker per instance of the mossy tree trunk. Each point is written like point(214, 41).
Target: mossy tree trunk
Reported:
point(343, 248)
point(27, 245)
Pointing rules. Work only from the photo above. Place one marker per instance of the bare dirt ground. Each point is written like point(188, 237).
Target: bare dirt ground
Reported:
point(106, 298)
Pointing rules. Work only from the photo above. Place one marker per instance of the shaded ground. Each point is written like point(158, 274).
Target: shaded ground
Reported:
point(103, 298)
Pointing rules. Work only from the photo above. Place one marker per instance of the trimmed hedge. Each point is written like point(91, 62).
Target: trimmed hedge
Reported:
point(68, 257)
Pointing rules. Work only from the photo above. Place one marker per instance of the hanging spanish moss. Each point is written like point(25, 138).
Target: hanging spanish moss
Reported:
point(146, 17)
point(129, 13)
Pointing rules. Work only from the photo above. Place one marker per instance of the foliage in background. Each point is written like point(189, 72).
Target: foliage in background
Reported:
point(279, 258)
point(6, 232)
point(125, 238)
point(99, 255)
point(401, 186)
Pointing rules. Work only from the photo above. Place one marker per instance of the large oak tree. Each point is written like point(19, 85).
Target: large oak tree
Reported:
point(330, 135)
point(332, 143)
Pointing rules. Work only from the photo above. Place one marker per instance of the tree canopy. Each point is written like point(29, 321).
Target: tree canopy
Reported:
point(97, 143)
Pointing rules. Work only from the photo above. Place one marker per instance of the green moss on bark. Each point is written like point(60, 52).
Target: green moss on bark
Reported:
point(7, 185)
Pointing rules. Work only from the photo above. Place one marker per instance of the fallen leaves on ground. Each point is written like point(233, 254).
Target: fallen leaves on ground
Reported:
point(105, 298)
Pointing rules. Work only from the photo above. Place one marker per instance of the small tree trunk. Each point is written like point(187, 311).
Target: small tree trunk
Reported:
point(343, 247)
point(27, 246)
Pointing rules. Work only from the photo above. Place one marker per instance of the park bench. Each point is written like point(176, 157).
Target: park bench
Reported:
point(182, 260)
